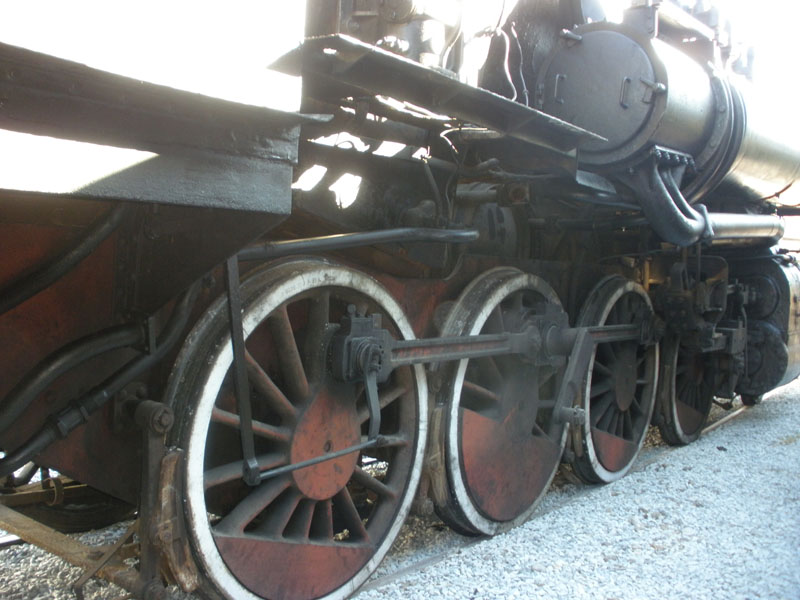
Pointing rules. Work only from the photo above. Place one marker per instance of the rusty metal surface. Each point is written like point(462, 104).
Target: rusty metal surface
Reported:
point(63, 491)
point(78, 304)
point(170, 528)
point(67, 548)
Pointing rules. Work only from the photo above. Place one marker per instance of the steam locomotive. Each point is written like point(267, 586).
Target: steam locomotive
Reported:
point(479, 251)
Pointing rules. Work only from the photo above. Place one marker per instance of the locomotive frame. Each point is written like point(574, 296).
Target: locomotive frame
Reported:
point(269, 377)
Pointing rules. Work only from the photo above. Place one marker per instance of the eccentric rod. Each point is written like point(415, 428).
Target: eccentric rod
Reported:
point(327, 243)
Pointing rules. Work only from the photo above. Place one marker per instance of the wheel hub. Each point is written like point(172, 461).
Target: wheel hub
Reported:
point(328, 424)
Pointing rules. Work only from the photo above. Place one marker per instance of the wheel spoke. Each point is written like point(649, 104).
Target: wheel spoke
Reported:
point(600, 409)
point(260, 429)
point(546, 374)
point(636, 405)
point(365, 480)
point(600, 388)
point(347, 510)
point(299, 527)
point(600, 367)
point(231, 471)
point(291, 364)
point(615, 422)
point(488, 371)
point(622, 392)
point(607, 351)
point(276, 400)
point(302, 532)
point(322, 521)
point(248, 509)
point(539, 432)
point(627, 430)
point(279, 514)
point(477, 398)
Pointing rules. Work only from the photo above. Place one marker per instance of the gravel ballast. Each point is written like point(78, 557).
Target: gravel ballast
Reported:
point(717, 519)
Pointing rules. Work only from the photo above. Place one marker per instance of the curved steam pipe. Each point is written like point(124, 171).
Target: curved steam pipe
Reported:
point(679, 223)
point(22, 289)
point(61, 361)
point(663, 213)
point(77, 413)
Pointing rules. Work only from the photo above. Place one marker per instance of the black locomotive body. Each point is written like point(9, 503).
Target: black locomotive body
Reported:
point(472, 256)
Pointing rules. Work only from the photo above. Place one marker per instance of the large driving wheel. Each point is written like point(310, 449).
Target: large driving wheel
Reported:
point(685, 392)
point(497, 442)
point(321, 530)
point(620, 388)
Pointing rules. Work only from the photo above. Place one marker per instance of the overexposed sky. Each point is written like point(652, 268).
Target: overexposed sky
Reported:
point(215, 48)
point(224, 49)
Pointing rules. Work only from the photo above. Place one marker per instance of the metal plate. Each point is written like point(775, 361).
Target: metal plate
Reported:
point(338, 66)
point(185, 148)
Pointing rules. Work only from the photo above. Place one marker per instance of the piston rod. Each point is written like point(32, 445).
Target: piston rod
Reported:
point(361, 340)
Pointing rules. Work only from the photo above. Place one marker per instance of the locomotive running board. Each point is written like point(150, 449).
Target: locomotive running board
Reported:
point(158, 144)
point(339, 66)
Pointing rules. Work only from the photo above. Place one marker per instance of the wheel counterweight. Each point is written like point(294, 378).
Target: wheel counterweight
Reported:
point(619, 393)
point(317, 531)
point(496, 429)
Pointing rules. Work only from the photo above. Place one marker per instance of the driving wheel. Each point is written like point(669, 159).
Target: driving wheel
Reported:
point(620, 387)
point(311, 532)
point(685, 394)
point(497, 443)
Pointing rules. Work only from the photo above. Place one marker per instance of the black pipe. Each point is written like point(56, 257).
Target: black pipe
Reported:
point(61, 361)
point(78, 412)
point(329, 243)
point(677, 197)
point(661, 210)
point(599, 224)
point(25, 287)
point(678, 222)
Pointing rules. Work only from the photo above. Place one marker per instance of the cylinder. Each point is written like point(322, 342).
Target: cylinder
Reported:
point(641, 93)
point(636, 91)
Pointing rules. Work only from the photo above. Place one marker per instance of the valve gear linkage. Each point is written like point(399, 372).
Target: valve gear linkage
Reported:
point(362, 351)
